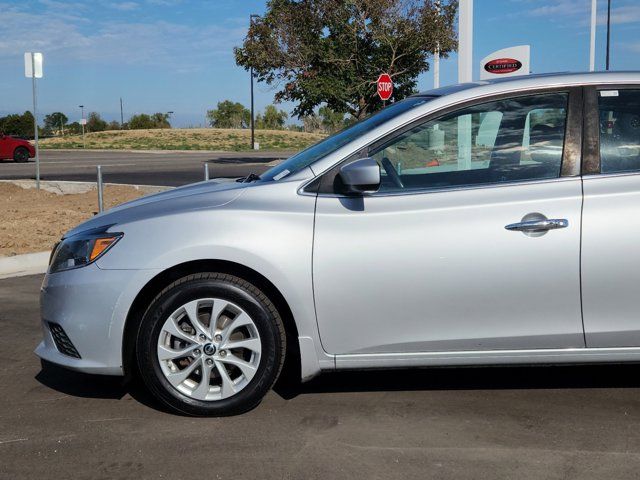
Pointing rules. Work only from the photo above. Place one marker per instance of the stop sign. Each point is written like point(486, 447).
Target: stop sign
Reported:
point(385, 86)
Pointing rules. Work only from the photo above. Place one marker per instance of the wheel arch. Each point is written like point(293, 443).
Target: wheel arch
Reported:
point(161, 280)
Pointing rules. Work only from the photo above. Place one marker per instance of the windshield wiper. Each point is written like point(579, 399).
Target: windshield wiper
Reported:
point(252, 177)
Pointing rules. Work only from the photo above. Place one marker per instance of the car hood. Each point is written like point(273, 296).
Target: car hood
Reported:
point(197, 196)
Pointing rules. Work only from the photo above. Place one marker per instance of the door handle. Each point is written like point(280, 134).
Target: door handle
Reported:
point(541, 225)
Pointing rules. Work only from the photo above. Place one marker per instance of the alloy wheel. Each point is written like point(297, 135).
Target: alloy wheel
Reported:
point(209, 349)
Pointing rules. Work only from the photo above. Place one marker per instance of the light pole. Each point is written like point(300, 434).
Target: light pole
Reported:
point(84, 145)
point(253, 143)
point(121, 115)
point(592, 37)
point(608, 30)
point(465, 42)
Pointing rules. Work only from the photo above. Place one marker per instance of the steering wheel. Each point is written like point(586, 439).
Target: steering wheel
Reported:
point(392, 173)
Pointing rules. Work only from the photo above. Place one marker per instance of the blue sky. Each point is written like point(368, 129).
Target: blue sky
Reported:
point(176, 55)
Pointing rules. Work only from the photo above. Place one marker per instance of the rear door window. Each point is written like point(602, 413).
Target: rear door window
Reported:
point(619, 118)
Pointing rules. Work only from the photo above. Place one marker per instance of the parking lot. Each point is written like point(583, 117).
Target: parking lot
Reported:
point(558, 423)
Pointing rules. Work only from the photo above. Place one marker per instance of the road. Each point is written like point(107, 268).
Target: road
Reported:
point(482, 423)
point(170, 168)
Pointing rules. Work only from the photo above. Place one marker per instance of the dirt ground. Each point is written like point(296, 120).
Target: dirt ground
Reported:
point(33, 221)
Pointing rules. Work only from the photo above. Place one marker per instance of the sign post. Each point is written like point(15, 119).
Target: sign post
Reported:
point(33, 69)
point(385, 87)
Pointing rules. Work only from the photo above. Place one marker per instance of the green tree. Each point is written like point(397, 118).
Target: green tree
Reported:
point(18, 125)
point(113, 125)
point(331, 121)
point(311, 123)
point(273, 119)
point(55, 122)
point(228, 114)
point(95, 123)
point(161, 120)
point(74, 128)
point(141, 121)
point(145, 121)
point(332, 51)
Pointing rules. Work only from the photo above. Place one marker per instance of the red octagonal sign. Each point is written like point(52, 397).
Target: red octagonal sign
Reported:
point(385, 86)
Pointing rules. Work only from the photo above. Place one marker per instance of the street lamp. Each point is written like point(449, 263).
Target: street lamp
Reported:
point(253, 143)
point(608, 31)
point(84, 145)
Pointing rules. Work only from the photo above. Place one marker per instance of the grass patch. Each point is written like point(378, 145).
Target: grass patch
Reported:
point(185, 139)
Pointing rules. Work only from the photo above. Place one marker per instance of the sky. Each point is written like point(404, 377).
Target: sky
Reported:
point(177, 55)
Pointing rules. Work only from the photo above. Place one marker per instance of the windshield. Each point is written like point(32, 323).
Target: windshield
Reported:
point(329, 145)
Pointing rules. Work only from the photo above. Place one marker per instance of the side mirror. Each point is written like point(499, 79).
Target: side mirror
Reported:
point(360, 176)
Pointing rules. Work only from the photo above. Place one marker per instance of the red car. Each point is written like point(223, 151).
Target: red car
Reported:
point(17, 148)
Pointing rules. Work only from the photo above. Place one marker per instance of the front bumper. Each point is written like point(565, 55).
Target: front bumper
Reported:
point(91, 306)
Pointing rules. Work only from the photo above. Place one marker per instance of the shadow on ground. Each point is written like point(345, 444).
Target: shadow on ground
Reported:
point(476, 378)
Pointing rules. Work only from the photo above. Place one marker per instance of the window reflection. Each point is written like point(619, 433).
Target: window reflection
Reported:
point(503, 141)
point(619, 112)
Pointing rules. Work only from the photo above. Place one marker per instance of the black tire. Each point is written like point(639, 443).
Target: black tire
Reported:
point(21, 155)
point(228, 287)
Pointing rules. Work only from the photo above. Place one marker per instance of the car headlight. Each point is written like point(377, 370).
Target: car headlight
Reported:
point(82, 249)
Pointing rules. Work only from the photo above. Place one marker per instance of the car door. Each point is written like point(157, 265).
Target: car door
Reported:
point(453, 252)
point(5, 144)
point(611, 217)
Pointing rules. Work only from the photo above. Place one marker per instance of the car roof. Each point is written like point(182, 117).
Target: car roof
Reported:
point(537, 81)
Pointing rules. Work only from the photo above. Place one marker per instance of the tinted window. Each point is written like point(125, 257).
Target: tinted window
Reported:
point(508, 140)
point(619, 112)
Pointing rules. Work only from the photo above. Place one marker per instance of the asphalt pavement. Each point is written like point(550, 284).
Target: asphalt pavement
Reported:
point(466, 423)
point(168, 167)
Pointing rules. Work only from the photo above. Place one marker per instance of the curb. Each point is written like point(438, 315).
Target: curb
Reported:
point(21, 265)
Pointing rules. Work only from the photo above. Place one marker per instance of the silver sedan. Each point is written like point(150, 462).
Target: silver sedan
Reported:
point(479, 224)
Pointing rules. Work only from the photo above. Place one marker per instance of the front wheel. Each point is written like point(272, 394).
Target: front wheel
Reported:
point(210, 344)
point(20, 155)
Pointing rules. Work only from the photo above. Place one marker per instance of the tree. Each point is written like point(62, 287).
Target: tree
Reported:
point(331, 121)
point(144, 121)
point(229, 115)
point(273, 119)
point(113, 125)
point(95, 123)
point(55, 122)
point(74, 128)
point(332, 51)
point(161, 120)
point(141, 121)
point(311, 123)
point(18, 125)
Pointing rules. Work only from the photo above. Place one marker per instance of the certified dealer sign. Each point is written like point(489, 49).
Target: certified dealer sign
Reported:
point(507, 62)
point(500, 66)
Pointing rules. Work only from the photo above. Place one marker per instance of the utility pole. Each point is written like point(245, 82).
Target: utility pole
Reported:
point(608, 30)
point(121, 115)
point(253, 142)
point(84, 145)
